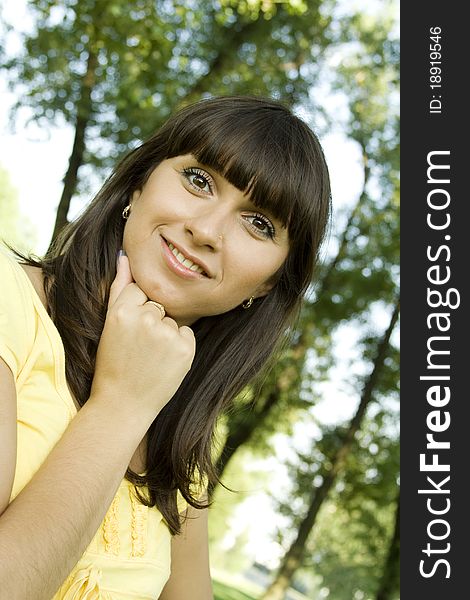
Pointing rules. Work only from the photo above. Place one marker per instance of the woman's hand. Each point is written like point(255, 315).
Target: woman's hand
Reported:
point(142, 359)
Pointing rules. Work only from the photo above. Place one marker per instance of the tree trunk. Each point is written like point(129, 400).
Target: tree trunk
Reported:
point(294, 556)
point(84, 111)
point(389, 583)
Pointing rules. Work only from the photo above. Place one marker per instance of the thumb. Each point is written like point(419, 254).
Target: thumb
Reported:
point(123, 279)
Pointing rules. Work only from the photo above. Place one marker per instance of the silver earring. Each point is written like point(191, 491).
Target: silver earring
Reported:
point(126, 212)
point(248, 303)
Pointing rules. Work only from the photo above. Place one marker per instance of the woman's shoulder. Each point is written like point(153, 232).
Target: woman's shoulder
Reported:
point(12, 281)
point(17, 311)
point(12, 276)
point(7, 262)
point(36, 278)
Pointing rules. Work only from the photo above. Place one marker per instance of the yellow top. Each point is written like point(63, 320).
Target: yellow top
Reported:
point(129, 556)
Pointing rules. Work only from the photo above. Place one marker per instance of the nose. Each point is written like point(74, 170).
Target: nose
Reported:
point(207, 228)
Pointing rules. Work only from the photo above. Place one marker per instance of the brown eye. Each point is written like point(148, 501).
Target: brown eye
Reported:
point(258, 223)
point(198, 179)
point(262, 225)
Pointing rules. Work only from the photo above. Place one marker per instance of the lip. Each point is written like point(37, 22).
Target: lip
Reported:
point(177, 267)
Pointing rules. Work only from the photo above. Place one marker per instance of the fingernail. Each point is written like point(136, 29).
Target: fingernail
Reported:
point(119, 254)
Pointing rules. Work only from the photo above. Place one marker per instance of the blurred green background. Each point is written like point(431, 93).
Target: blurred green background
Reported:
point(313, 450)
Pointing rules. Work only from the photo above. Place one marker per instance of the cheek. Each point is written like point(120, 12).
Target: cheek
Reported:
point(256, 268)
point(269, 261)
point(140, 222)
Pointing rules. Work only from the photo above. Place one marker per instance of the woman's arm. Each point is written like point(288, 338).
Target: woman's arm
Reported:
point(190, 574)
point(46, 529)
point(140, 363)
point(7, 434)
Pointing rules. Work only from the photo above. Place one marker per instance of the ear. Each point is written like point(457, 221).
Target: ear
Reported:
point(135, 195)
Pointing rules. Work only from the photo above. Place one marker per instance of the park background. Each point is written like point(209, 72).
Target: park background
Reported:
point(313, 452)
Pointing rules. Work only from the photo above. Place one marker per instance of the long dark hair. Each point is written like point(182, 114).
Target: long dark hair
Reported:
point(264, 150)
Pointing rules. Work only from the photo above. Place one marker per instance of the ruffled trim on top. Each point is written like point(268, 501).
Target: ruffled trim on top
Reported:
point(85, 585)
point(111, 528)
point(138, 525)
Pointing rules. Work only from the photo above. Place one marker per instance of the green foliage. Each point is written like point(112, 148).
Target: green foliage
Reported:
point(142, 60)
point(351, 285)
point(243, 483)
point(349, 549)
point(226, 592)
point(15, 228)
point(349, 544)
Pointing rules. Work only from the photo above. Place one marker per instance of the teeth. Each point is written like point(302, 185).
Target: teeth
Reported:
point(185, 261)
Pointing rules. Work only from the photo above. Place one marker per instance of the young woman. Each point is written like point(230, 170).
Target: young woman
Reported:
point(113, 373)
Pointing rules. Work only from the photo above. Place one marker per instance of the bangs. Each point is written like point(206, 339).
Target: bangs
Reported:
point(266, 154)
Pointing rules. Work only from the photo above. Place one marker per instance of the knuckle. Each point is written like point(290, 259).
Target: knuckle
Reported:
point(149, 319)
point(187, 350)
point(119, 312)
point(169, 321)
point(165, 336)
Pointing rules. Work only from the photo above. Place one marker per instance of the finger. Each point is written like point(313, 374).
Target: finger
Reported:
point(171, 322)
point(132, 295)
point(123, 278)
point(187, 332)
point(158, 307)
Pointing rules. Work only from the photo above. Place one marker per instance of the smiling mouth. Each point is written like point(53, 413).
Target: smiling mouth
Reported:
point(186, 262)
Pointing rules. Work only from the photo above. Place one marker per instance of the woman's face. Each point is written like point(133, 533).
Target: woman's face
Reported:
point(197, 245)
